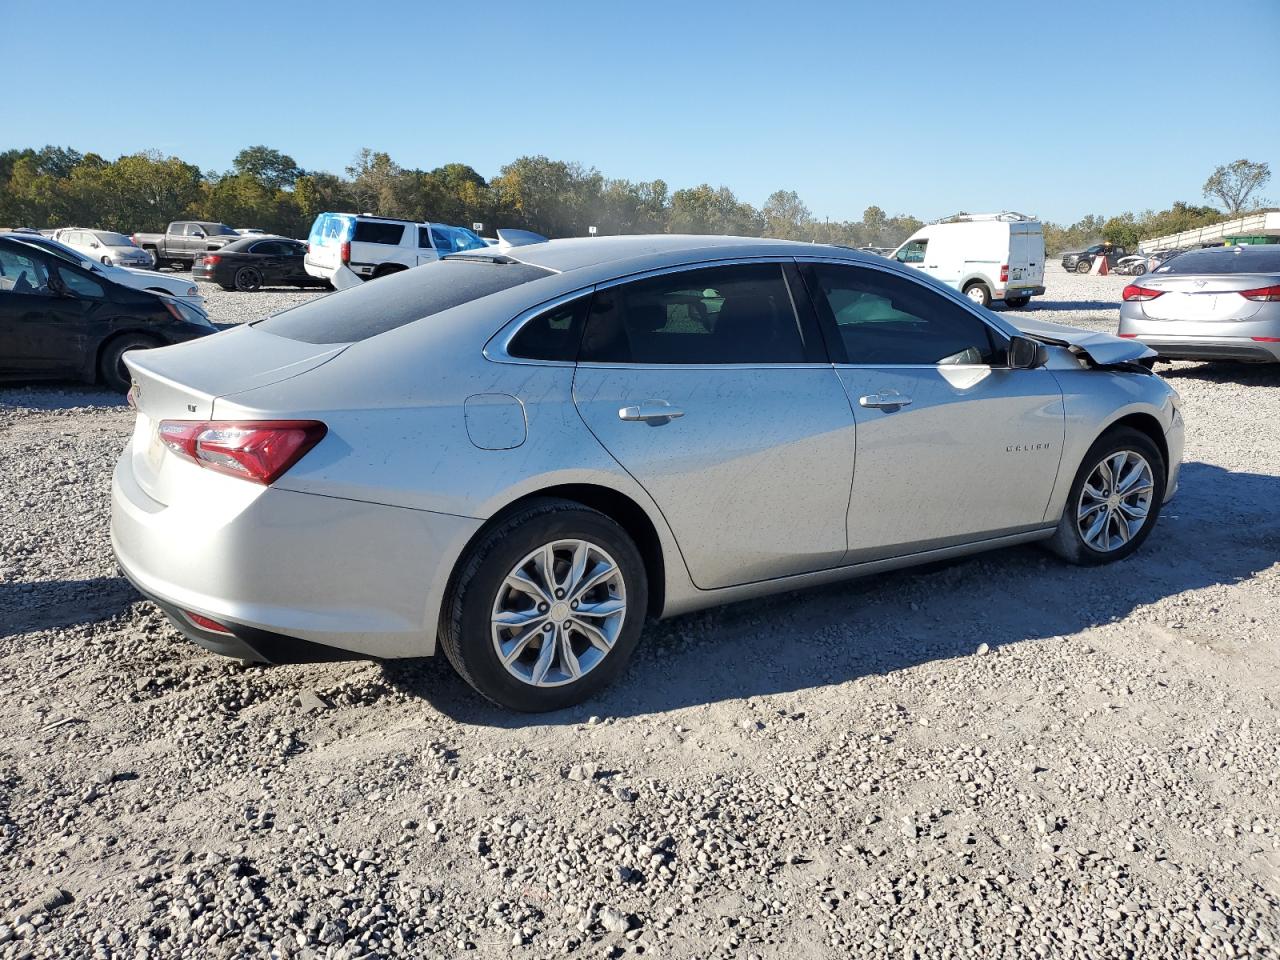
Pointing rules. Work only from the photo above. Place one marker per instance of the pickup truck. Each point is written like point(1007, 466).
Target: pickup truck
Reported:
point(1081, 261)
point(183, 240)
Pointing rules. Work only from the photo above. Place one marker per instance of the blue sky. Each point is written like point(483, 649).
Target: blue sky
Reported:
point(921, 107)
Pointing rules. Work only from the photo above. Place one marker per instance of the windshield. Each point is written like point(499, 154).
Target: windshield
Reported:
point(1225, 260)
point(113, 239)
point(374, 308)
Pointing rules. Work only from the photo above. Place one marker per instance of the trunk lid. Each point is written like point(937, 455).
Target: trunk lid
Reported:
point(1102, 349)
point(1204, 297)
point(182, 383)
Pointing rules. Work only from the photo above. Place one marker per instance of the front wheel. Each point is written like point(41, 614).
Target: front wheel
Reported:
point(546, 608)
point(1016, 303)
point(1114, 501)
point(111, 364)
point(1084, 266)
point(979, 293)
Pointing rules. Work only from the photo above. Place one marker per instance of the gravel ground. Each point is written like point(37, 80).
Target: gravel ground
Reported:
point(1000, 757)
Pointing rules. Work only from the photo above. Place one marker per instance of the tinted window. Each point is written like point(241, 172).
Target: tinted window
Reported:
point(731, 314)
point(80, 284)
point(1256, 259)
point(883, 319)
point(22, 273)
point(552, 335)
point(272, 248)
point(375, 308)
point(375, 231)
point(424, 238)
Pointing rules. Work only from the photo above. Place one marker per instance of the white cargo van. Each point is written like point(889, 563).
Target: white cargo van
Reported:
point(345, 248)
point(987, 256)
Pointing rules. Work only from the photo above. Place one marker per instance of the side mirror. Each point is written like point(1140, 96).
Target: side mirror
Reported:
point(200, 233)
point(93, 244)
point(1026, 354)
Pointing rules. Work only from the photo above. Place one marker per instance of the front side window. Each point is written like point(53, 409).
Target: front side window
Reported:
point(21, 273)
point(887, 320)
point(377, 231)
point(553, 334)
point(424, 238)
point(741, 313)
point(913, 252)
point(80, 284)
point(441, 241)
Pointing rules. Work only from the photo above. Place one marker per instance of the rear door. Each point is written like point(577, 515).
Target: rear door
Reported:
point(706, 386)
point(42, 333)
point(953, 446)
point(1026, 255)
point(324, 244)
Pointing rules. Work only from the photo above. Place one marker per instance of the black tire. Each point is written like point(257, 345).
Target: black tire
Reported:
point(248, 279)
point(984, 298)
point(465, 621)
point(1083, 266)
point(111, 368)
point(1016, 303)
point(1140, 269)
point(1067, 541)
point(156, 262)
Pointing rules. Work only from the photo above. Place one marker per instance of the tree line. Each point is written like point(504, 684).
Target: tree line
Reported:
point(59, 186)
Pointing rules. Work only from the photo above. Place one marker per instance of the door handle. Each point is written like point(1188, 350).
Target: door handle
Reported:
point(651, 411)
point(880, 400)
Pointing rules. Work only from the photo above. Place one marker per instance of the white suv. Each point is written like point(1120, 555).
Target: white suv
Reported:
point(345, 247)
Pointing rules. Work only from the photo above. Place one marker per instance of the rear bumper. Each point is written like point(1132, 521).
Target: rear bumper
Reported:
point(286, 571)
point(1021, 291)
point(1212, 348)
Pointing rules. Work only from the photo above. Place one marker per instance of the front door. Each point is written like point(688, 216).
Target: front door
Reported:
point(706, 387)
point(953, 445)
point(41, 332)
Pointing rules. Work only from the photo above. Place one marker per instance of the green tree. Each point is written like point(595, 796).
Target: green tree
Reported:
point(1234, 184)
point(273, 169)
point(785, 216)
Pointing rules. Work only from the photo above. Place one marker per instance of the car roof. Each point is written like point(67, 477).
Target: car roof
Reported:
point(622, 255)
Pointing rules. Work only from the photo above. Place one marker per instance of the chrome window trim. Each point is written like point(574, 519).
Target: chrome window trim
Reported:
point(497, 348)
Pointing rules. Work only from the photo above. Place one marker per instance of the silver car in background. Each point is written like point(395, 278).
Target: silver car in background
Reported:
point(520, 454)
point(1216, 304)
point(105, 246)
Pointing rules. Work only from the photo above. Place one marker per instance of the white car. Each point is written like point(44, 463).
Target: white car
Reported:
point(105, 246)
point(345, 248)
point(986, 256)
point(179, 288)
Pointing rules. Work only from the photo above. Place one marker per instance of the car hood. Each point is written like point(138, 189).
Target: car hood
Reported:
point(1103, 349)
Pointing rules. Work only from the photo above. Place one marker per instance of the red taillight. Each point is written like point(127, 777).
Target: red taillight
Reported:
point(1127, 336)
point(346, 251)
point(257, 450)
point(1262, 294)
point(1265, 339)
point(1134, 293)
point(204, 623)
point(1004, 273)
point(210, 259)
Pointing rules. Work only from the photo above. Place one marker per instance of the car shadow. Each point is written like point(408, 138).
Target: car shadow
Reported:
point(1221, 528)
point(1225, 371)
point(58, 395)
point(26, 607)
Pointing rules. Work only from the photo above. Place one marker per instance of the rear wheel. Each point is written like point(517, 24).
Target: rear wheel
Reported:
point(1114, 501)
point(546, 608)
point(979, 293)
point(1016, 303)
point(156, 262)
point(111, 364)
point(1083, 266)
point(248, 279)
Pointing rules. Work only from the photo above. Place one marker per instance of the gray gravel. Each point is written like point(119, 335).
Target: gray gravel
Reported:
point(1001, 757)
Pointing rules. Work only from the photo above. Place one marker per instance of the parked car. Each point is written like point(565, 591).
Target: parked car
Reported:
point(1081, 261)
point(1220, 303)
point(62, 321)
point(984, 256)
point(105, 246)
point(1158, 257)
point(252, 263)
point(1134, 265)
point(347, 247)
point(182, 240)
point(519, 455)
point(147, 279)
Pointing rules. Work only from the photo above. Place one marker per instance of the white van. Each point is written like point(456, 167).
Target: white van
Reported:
point(986, 256)
point(346, 247)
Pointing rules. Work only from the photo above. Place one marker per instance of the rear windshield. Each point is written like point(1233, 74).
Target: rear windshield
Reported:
point(330, 228)
point(382, 305)
point(1225, 260)
point(374, 231)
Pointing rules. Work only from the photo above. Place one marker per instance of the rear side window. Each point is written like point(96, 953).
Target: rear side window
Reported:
point(1225, 260)
point(731, 314)
point(552, 335)
point(375, 231)
point(887, 320)
point(394, 301)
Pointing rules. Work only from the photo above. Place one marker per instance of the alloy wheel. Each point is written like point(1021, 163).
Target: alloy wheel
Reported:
point(1115, 501)
point(558, 613)
point(248, 279)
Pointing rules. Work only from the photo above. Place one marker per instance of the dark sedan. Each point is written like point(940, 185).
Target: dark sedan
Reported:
point(58, 321)
point(254, 263)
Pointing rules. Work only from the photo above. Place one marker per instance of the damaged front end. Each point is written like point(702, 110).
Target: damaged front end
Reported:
point(1101, 351)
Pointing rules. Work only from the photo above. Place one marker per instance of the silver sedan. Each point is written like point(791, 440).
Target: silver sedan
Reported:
point(519, 455)
point(1216, 304)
